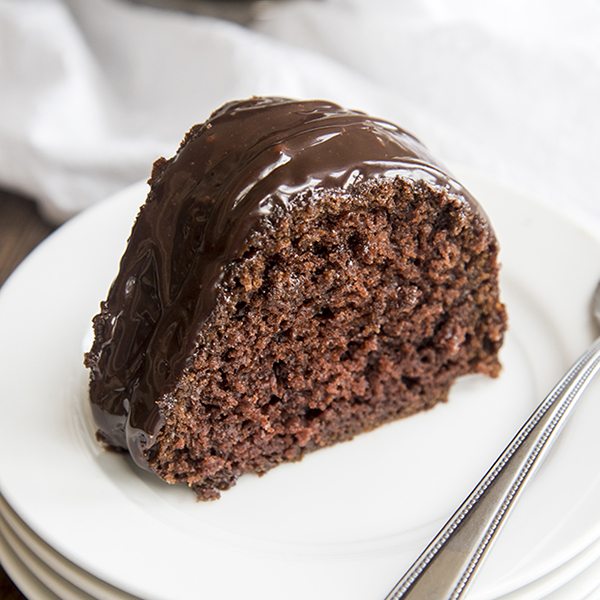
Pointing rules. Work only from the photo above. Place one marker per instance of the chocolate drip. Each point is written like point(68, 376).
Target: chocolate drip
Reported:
point(230, 174)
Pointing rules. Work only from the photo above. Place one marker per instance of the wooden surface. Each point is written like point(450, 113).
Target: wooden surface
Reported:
point(21, 229)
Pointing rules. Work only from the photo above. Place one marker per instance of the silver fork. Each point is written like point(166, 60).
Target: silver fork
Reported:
point(446, 568)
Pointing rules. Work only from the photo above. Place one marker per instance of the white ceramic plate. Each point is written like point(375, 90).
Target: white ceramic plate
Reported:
point(40, 570)
point(585, 587)
point(32, 587)
point(573, 580)
point(32, 550)
point(344, 522)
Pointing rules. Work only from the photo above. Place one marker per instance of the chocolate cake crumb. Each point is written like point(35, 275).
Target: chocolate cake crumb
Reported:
point(354, 311)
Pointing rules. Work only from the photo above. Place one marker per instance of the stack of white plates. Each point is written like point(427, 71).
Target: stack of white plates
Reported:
point(78, 522)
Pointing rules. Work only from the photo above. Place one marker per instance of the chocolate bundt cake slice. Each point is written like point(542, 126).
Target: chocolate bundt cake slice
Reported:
point(299, 273)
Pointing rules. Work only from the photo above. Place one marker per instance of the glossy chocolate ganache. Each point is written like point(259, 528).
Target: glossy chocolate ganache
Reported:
point(250, 159)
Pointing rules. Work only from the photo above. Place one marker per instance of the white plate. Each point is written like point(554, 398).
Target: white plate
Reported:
point(585, 587)
point(576, 578)
point(28, 544)
point(572, 580)
point(346, 521)
point(41, 571)
point(22, 577)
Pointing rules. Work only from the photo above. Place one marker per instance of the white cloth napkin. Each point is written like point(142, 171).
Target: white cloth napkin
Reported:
point(92, 92)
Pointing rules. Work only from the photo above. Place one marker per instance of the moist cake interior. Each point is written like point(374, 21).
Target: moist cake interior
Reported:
point(350, 311)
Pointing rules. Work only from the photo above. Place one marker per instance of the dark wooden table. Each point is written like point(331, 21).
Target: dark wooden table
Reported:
point(21, 229)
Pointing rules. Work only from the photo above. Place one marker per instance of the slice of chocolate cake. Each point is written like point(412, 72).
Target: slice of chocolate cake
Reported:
point(299, 273)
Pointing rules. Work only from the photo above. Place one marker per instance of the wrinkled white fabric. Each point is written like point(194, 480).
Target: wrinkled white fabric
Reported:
point(92, 92)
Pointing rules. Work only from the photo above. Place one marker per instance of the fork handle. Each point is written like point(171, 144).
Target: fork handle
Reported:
point(446, 567)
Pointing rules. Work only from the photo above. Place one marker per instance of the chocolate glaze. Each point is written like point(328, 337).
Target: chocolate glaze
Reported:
point(249, 159)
